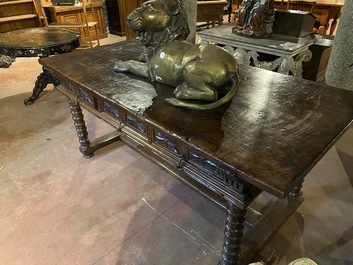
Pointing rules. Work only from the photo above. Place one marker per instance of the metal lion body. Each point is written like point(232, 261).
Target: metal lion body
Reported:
point(198, 71)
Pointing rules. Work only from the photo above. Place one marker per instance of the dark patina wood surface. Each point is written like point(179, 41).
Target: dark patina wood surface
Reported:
point(267, 139)
point(274, 131)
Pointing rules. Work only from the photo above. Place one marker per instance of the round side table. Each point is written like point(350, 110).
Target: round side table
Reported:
point(39, 42)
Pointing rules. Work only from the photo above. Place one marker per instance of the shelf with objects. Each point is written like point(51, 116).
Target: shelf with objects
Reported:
point(19, 14)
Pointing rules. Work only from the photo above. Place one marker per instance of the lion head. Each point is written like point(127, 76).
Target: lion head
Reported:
point(158, 22)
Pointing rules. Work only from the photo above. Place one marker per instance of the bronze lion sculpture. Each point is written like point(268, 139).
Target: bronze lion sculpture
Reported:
point(198, 71)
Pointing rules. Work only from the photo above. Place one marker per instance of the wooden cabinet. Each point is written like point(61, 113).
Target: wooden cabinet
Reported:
point(125, 8)
point(114, 17)
point(211, 11)
point(18, 14)
point(75, 14)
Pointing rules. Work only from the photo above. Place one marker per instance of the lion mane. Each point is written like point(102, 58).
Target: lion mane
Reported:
point(159, 22)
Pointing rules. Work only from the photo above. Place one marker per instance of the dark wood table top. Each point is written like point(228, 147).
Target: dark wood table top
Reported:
point(273, 132)
point(42, 42)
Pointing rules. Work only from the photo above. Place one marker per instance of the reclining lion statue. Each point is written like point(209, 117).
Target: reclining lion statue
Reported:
point(198, 71)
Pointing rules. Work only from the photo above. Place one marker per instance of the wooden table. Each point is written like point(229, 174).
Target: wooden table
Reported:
point(289, 52)
point(324, 11)
point(38, 42)
point(267, 139)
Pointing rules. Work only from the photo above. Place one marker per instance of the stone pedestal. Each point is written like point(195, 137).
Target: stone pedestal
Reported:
point(191, 9)
point(339, 71)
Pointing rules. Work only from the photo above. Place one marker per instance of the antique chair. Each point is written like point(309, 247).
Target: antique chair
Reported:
point(83, 25)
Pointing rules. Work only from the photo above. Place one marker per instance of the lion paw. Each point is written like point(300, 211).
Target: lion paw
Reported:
point(120, 66)
point(181, 92)
point(172, 101)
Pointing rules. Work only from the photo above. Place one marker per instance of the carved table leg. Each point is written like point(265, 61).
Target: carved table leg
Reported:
point(81, 129)
point(287, 65)
point(43, 80)
point(297, 191)
point(233, 235)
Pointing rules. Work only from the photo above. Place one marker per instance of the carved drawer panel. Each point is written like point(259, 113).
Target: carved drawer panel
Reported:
point(112, 110)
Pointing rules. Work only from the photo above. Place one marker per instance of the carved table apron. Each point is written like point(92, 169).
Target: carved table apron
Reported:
point(41, 42)
point(267, 139)
point(290, 52)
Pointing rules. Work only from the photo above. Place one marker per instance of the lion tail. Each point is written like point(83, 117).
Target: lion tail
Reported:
point(209, 106)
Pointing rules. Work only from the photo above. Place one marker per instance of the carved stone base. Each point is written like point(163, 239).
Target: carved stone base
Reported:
point(245, 33)
point(284, 65)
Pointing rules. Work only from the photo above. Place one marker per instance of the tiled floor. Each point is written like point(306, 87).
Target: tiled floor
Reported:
point(118, 208)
